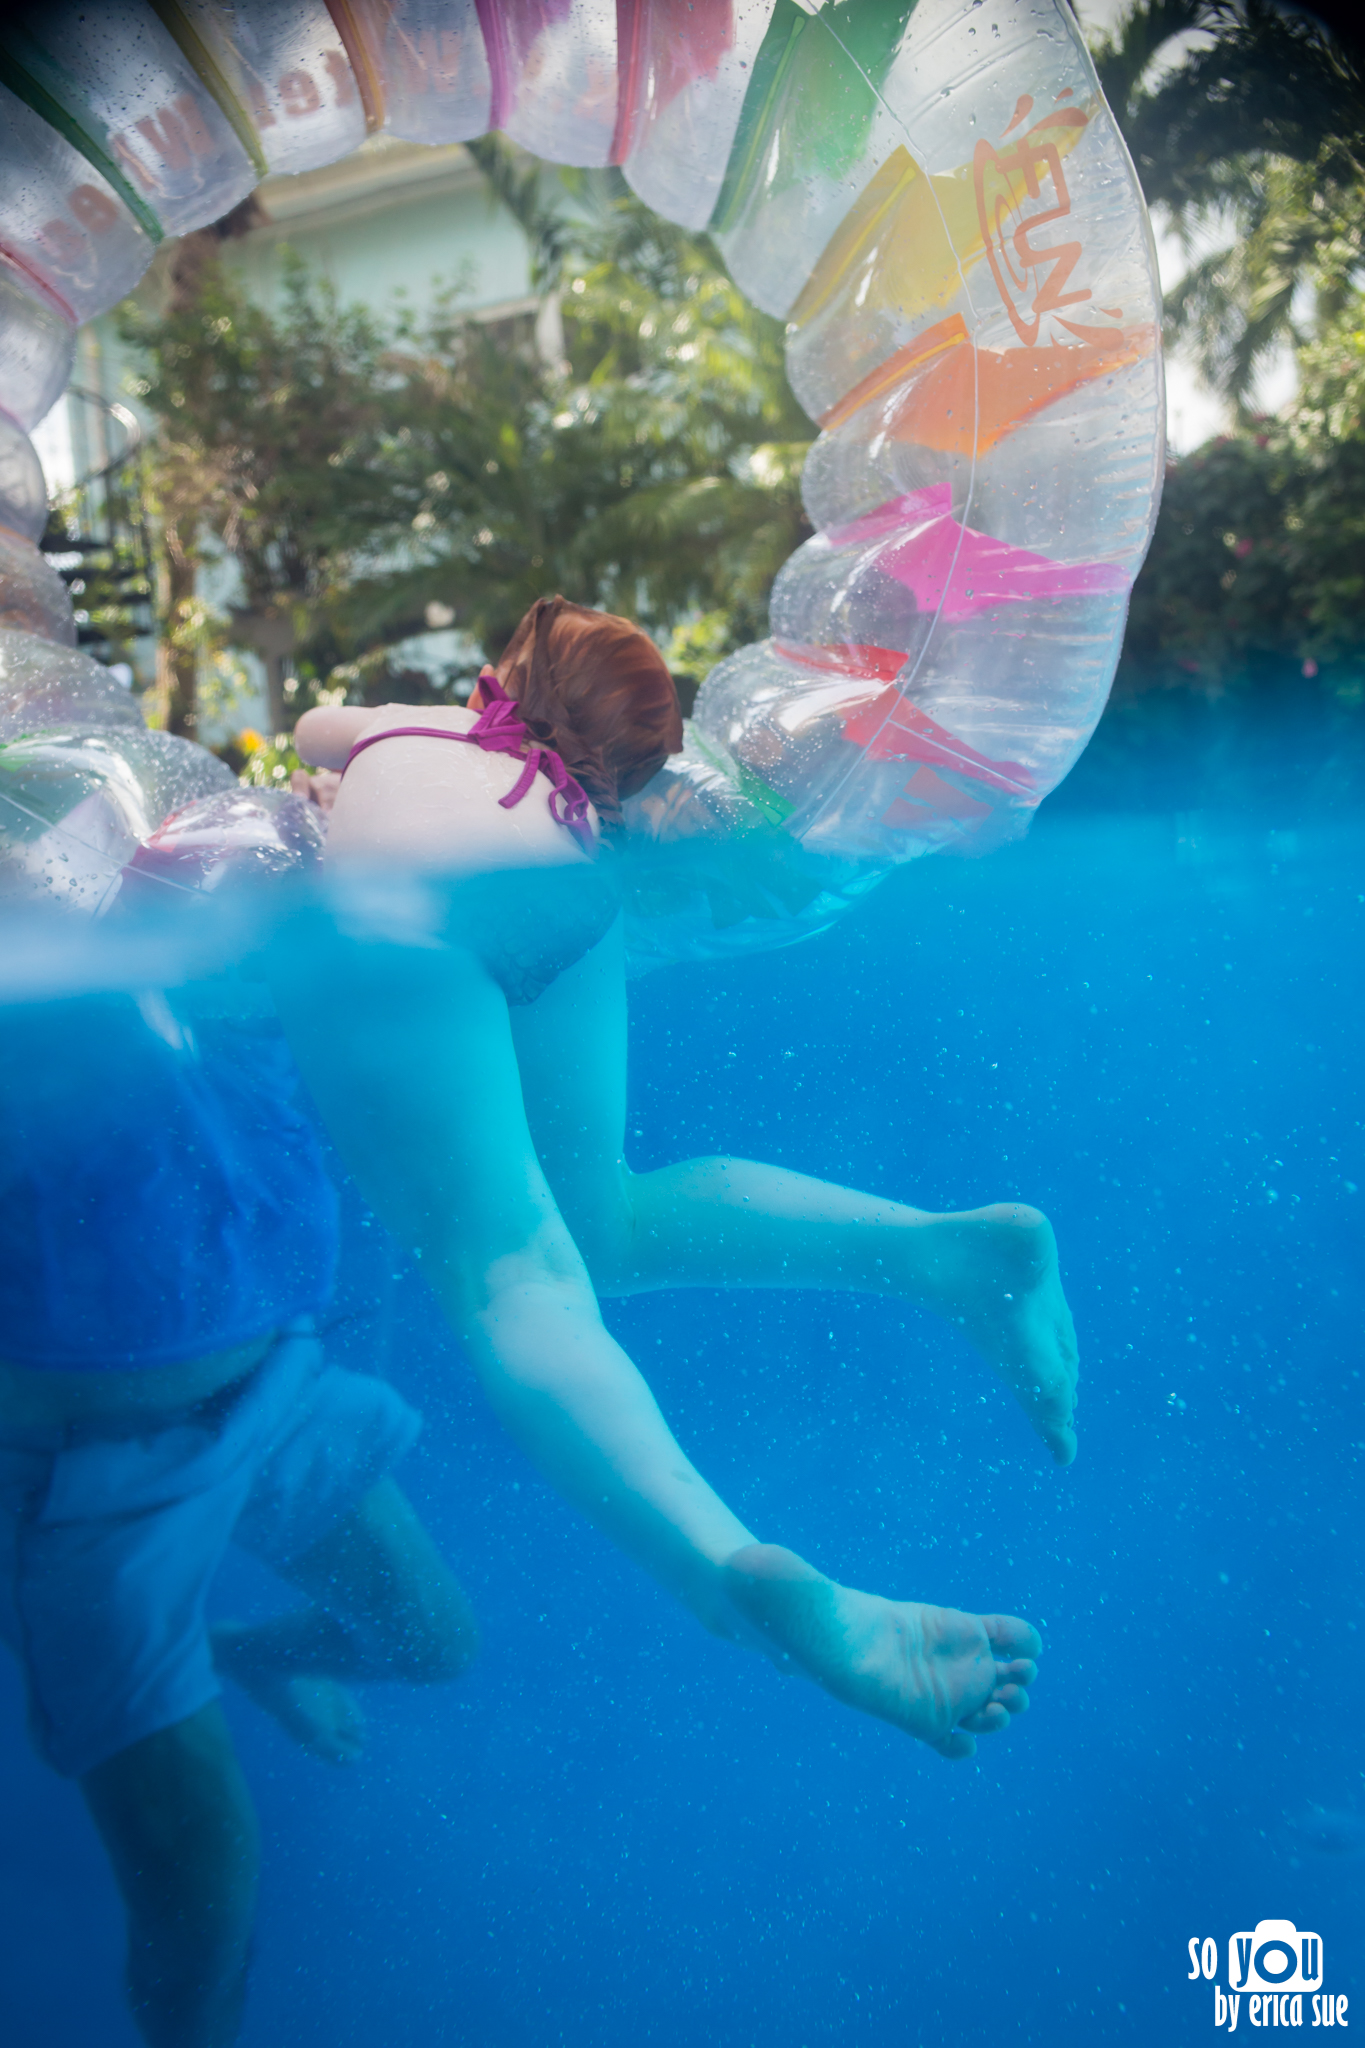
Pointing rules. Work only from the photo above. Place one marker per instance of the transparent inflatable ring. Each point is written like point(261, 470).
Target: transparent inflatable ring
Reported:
point(933, 196)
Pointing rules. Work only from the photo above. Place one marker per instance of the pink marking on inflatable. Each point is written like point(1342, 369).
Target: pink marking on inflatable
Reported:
point(663, 46)
point(848, 658)
point(39, 286)
point(927, 796)
point(951, 569)
point(499, 70)
point(510, 29)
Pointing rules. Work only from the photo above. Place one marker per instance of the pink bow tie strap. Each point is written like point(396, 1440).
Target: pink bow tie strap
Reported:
point(499, 730)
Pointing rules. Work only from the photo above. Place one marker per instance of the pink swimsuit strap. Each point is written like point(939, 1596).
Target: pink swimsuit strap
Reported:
point(500, 731)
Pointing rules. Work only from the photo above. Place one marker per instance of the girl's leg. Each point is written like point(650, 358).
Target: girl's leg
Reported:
point(410, 1059)
point(412, 1064)
point(724, 1222)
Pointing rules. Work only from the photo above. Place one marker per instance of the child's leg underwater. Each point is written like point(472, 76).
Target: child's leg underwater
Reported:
point(992, 1272)
point(177, 1821)
point(384, 1605)
point(447, 1161)
point(724, 1222)
point(441, 1150)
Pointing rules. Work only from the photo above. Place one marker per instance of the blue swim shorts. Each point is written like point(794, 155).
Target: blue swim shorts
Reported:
point(108, 1544)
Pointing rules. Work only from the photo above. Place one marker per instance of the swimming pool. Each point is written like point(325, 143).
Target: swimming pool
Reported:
point(614, 1830)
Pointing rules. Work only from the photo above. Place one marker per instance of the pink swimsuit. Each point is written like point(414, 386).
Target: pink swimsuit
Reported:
point(500, 731)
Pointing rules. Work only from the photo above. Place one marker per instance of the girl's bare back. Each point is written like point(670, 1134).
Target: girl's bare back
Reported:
point(430, 803)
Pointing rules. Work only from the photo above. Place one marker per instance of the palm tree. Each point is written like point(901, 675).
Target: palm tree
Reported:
point(1253, 140)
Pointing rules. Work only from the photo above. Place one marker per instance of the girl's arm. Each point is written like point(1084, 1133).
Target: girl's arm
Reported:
point(326, 734)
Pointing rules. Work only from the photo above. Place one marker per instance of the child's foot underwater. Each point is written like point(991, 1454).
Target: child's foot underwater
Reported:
point(940, 1675)
point(321, 1714)
point(997, 1277)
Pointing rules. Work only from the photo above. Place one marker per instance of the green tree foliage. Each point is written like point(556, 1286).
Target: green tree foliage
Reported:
point(653, 468)
point(266, 421)
point(1254, 141)
point(1257, 568)
point(1249, 138)
point(637, 448)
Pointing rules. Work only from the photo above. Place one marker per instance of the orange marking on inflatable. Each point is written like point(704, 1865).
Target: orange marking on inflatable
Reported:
point(933, 342)
point(1023, 107)
point(1016, 265)
point(961, 400)
point(356, 23)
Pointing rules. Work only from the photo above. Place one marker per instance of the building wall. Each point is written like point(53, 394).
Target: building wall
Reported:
point(390, 225)
point(393, 219)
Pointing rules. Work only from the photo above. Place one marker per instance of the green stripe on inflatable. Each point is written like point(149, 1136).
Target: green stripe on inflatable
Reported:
point(839, 78)
point(774, 807)
point(57, 100)
point(770, 65)
point(206, 68)
point(771, 807)
point(848, 45)
point(870, 32)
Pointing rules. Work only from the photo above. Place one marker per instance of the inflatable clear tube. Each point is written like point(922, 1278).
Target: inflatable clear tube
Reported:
point(815, 128)
point(78, 806)
point(434, 69)
point(286, 63)
point(42, 688)
point(37, 344)
point(228, 836)
point(23, 487)
point(684, 80)
point(554, 79)
point(936, 201)
point(63, 221)
point(978, 338)
point(128, 86)
point(83, 784)
point(33, 597)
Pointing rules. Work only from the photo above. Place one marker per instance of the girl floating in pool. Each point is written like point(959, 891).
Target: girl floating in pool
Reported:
point(467, 1045)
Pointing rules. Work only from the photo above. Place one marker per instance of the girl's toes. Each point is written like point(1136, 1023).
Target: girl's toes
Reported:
point(1012, 1698)
point(1010, 1637)
point(987, 1720)
point(956, 1747)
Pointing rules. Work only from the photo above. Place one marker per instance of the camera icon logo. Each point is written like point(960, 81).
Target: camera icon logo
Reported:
point(1275, 1956)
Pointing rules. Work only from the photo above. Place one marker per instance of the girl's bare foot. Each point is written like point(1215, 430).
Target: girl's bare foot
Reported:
point(994, 1272)
point(942, 1676)
point(322, 1715)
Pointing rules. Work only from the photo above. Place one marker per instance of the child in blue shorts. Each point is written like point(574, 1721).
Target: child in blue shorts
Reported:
point(167, 1234)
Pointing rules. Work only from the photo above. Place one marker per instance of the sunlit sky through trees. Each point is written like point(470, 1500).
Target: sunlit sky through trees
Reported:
point(1194, 413)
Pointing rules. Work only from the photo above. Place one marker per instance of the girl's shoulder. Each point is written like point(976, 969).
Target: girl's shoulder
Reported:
point(415, 717)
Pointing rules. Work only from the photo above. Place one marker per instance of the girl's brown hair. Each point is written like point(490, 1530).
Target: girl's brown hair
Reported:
point(597, 690)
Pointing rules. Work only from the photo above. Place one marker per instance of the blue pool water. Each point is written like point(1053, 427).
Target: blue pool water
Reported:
point(616, 1831)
